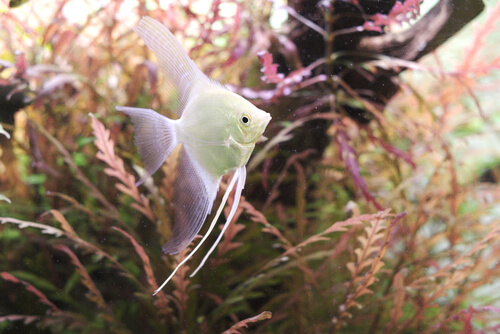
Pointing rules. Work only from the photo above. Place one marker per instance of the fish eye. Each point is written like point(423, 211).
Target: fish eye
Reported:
point(245, 119)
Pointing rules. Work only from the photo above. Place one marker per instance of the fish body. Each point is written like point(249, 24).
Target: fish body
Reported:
point(227, 148)
point(216, 128)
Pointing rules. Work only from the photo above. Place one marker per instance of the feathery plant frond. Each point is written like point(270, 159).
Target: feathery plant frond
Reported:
point(94, 294)
point(46, 229)
point(162, 303)
point(30, 288)
point(117, 169)
point(244, 323)
point(369, 255)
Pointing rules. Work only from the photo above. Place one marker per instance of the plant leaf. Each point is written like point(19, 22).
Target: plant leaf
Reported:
point(244, 323)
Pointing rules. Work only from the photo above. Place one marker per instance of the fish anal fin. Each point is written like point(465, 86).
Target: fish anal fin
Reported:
point(241, 175)
point(194, 192)
point(236, 176)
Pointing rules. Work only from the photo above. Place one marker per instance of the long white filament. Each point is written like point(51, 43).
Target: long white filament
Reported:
point(230, 187)
point(236, 202)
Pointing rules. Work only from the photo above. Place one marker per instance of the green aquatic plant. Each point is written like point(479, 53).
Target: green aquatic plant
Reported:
point(372, 206)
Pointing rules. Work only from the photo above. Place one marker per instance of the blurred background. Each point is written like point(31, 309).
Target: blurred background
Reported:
point(373, 206)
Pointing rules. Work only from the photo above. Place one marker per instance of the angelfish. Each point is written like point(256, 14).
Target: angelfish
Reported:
point(216, 128)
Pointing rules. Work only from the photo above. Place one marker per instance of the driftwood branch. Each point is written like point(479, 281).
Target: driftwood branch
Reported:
point(445, 19)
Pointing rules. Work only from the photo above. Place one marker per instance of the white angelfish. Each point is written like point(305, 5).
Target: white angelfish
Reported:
point(217, 129)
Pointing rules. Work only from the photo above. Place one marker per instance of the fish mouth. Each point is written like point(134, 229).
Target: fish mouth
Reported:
point(266, 119)
point(262, 125)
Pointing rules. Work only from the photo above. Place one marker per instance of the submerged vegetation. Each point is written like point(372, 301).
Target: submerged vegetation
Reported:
point(360, 214)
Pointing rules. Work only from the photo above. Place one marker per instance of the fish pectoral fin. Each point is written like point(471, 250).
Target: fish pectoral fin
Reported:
point(154, 136)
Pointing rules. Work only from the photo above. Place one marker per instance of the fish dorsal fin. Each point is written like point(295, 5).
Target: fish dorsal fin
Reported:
point(182, 78)
point(194, 194)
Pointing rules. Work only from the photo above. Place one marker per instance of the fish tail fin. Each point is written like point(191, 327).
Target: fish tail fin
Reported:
point(154, 135)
